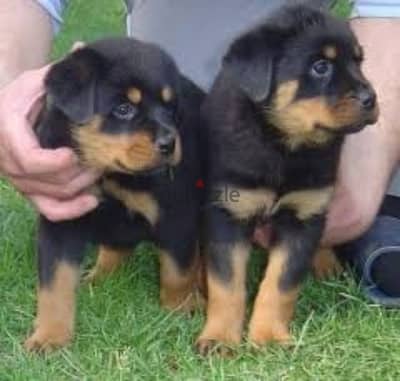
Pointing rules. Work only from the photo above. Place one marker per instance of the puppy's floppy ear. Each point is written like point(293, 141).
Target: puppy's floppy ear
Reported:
point(71, 83)
point(250, 64)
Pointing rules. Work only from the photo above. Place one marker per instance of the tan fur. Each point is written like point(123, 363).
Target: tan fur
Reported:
point(306, 203)
point(326, 264)
point(226, 304)
point(177, 156)
point(273, 308)
point(330, 52)
point(300, 119)
point(285, 94)
point(120, 152)
point(167, 94)
point(178, 289)
point(55, 310)
point(134, 95)
point(249, 202)
point(139, 202)
point(109, 259)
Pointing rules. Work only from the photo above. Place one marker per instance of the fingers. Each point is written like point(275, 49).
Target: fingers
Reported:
point(51, 178)
point(20, 152)
point(62, 191)
point(56, 210)
point(35, 161)
point(35, 111)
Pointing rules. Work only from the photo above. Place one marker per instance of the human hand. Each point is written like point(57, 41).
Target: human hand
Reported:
point(51, 179)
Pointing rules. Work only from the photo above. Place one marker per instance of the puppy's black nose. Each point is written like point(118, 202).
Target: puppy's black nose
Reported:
point(367, 98)
point(166, 144)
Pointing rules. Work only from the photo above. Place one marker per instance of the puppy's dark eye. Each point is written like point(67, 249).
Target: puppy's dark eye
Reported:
point(125, 111)
point(322, 69)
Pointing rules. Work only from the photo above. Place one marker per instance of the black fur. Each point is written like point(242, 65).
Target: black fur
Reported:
point(249, 150)
point(92, 81)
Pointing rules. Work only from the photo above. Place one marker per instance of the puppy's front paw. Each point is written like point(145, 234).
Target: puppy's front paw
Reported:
point(218, 341)
point(48, 338)
point(207, 346)
point(270, 332)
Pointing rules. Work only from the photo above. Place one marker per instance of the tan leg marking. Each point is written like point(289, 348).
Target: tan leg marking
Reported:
point(326, 264)
point(226, 305)
point(179, 290)
point(273, 308)
point(108, 260)
point(54, 324)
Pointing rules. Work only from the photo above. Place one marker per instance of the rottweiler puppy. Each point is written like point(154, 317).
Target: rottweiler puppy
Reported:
point(288, 92)
point(126, 110)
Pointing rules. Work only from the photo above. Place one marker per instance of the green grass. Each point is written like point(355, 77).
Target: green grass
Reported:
point(123, 335)
point(342, 8)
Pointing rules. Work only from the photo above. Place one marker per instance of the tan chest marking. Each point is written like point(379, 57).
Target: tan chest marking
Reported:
point(306, 203)
point(139, 202)
point(245, 203)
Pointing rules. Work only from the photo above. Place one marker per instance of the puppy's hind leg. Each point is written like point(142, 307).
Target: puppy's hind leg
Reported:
point(180, 265)
point(326, 264)
point(109, 259)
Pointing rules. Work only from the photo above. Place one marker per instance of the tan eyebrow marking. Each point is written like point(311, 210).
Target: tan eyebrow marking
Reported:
point(167, 94)
point(330, 52)
point(134, 95)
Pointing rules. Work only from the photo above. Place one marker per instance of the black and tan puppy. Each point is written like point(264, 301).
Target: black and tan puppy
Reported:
point(128, 112)
point(288, 93)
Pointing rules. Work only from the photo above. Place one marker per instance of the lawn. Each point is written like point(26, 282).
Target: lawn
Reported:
point(123, 334)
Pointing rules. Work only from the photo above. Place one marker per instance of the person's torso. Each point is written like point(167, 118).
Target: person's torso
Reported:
point(197, 33)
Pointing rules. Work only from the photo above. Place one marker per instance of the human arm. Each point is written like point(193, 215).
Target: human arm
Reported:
point(51, 179)
point(369, 157)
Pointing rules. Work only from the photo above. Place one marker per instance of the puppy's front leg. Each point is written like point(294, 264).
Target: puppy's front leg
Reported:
point(60, 249)
point(227, 255)
point(289, 262)
point(179, 263)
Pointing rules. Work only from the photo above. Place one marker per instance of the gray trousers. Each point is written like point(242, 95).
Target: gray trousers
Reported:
point(197, 32)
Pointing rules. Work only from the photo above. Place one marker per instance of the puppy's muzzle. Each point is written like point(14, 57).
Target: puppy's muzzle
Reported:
point(166, 141)
point(366, 96)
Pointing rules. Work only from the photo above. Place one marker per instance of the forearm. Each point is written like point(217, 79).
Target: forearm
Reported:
point(370, 157)
point(25, 37)
point(381, 66)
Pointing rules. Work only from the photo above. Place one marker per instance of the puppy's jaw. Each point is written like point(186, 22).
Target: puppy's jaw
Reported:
point(314, 121)
point(126, 153)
